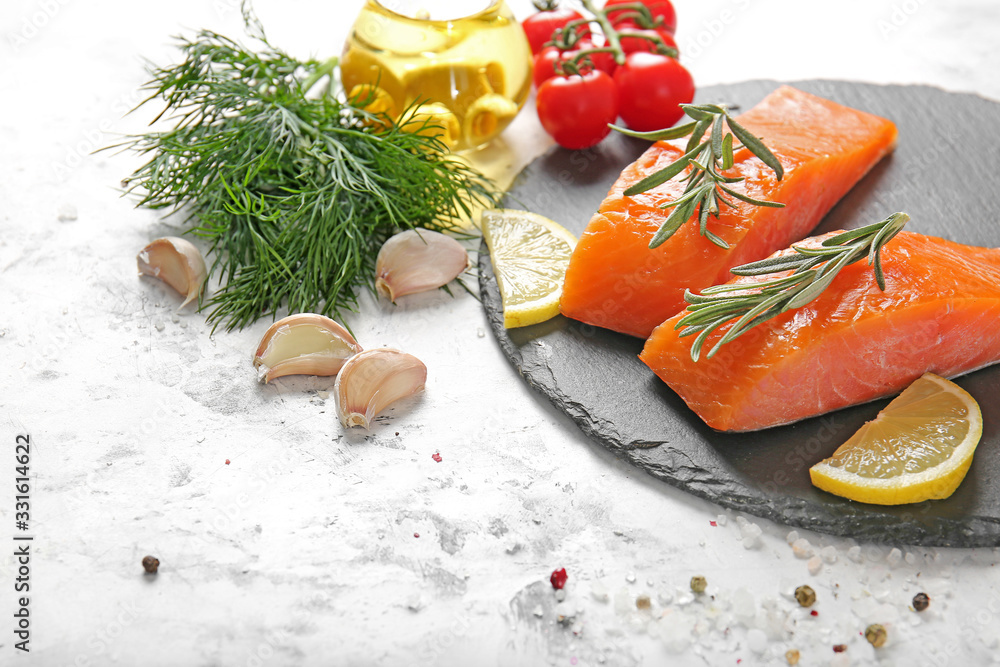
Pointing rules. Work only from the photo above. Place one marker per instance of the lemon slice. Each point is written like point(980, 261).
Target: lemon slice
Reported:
point(530, 254)
point(918, 448)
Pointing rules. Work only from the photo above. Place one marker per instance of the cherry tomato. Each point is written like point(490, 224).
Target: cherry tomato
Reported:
point(576, 109)
point(545, 61)
point(658, 8)
point(633, 44)
point(540, 26)
point(650, 89)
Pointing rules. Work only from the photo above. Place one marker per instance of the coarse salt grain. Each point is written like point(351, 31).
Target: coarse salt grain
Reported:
point(829, 554)
point(757, 640)
point(854, 554)
point(815, 564)
point(894, 557)
point(801, 548)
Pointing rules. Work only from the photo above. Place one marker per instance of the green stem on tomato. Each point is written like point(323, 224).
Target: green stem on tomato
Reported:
point(655, 39)
point(608, 29)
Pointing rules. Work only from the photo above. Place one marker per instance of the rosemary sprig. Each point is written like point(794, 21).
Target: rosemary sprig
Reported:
point(812, 271)
point(707, 189)
point(295, 192)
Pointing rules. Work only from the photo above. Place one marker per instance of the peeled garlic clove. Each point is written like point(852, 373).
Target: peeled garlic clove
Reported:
point(303, 344)
point(177, 262)
point(416, 261)
point(375, 100)
point(433, 120)
point(486, 116)
point(373, 379)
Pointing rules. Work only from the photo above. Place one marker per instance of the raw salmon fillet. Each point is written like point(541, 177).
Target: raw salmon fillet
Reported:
point(854, 343)
point(615, 281)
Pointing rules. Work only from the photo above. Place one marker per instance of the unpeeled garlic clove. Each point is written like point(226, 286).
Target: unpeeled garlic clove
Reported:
point(177, 262)
point(416, 261)
point(372, 380)
point(303, 344)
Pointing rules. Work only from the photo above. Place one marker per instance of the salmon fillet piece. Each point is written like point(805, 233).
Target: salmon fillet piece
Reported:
point(615, 281)
point(854, 343)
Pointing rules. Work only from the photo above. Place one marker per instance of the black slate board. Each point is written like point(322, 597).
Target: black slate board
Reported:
point(943, 173)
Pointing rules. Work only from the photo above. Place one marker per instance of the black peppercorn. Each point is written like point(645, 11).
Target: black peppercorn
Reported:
point(921, 601)
point(151, 564)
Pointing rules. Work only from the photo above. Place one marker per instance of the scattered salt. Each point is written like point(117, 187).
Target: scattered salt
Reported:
point(792, 536)
point(801, 548)
point(757, 640)
point(840, 660)
point(722, 519)
point(829, 554)
point(560, 594)
point(894, 557)
point(815, 564)
point(599, 592)
point(910, 558)
point(750, 532)
point(743, 606)
point(66, 213)
point(630, 577)
point(323, 394)
point(480, 333)
point(537, 611)
point(854, 554)
point(160, 325)
point(623, 601)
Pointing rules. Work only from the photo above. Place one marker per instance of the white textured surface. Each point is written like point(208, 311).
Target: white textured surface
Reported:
point(303, 550)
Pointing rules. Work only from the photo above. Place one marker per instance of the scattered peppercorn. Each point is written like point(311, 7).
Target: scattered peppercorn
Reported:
point(792, 656)
point(643, 602)
point(227, 461)
point(876, 635)
point(699, 584)
point(921, 601)
point(814, 613)
point(151, 564)
point(839, 648)
point(805, 595)
point(558, 578)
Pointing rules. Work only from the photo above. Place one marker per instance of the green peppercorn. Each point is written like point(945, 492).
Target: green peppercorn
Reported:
point(921, 601)
point(699, 584)
point(876, 635)
point(805, 595)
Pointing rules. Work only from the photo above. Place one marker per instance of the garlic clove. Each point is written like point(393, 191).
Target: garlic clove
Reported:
point(486, 116)
point(416, 261)
point(177, 262)
point(303, 344)
point(433, 120)
point(372, 380)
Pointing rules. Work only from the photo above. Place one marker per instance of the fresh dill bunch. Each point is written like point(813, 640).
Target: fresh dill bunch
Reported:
point(295, 192)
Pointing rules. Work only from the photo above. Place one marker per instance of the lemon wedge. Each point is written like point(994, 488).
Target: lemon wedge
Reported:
point(530, 254)
point(918, 448)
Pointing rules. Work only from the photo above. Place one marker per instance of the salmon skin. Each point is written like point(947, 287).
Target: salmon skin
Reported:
point(615, 281)
point(852, 344)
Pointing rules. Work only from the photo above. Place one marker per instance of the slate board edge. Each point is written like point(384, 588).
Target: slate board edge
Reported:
point(793, 512)
point(867, 525)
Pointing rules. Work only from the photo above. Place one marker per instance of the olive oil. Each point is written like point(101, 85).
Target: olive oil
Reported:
point(468, 75)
